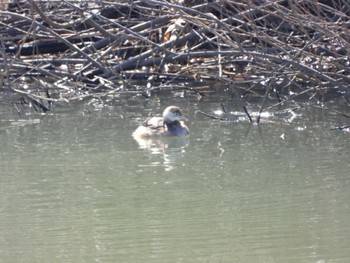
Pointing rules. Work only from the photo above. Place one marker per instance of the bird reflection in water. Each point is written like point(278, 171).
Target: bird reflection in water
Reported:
point(166, 135)
point(172, 148)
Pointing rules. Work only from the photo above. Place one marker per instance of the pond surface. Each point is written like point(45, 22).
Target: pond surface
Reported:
point(76, 187)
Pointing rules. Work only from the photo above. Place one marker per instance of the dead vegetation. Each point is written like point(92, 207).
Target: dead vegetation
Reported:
point(54, 51)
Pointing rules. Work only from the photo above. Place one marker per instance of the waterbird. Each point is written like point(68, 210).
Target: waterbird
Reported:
point(168, 125)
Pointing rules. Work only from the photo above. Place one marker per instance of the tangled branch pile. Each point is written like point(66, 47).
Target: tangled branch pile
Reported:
point(66, 50)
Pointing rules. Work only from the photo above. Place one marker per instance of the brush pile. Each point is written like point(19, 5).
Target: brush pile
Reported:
point(68, 50)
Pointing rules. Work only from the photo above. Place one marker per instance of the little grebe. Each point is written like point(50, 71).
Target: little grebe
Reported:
point(168, 125)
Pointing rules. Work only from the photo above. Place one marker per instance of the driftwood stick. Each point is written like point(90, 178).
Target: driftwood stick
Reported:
point(49, 21)
point(246, 112)
point(134, 62)
point(214, 117)
point(119, 37)
point(304, 51)
point(277, 59)
point(59, 38)
point(139, 61)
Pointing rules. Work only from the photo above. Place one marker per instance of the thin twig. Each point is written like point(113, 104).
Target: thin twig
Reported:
point(246, 112)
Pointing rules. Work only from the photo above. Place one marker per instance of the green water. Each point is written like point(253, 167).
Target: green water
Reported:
point(76, 187)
